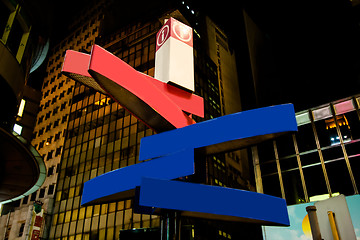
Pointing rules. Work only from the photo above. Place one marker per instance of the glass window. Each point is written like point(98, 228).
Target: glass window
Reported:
point(271, 185)
point(112, 207)
point(310, 158)
point(326, 131)
point(110, 233)
point(315, 181)
point(305, 138)
point(89, 211)
point(82, 212)
point(344, 107)
point(74, 215)
point(120, 205)
point(67, 216)
point(15, 36)
point(349, 126)
point(339, 177)
point(355, 166)
point(294, 192)
point(61, 218)
point(288, 163)
point(285, 145)
point(4, 16)
point(332, 153)
point(353, 148)
point(42, 193)
point(266, 151)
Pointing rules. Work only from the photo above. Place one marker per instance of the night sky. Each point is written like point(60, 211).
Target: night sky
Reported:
point(309, 55)
point(310, 52)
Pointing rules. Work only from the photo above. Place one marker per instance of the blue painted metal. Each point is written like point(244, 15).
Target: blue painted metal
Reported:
point(120, 184)
point(172, 157)
point(226, 133)
point(214, 202)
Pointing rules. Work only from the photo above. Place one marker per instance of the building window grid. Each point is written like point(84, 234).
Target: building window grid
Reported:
point(102, 205)
point(127, 159)
point(319, 149)
point(51, 65)
point(146, 56)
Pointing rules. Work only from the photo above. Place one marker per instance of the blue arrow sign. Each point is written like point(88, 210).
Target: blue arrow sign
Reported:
point(170, 156)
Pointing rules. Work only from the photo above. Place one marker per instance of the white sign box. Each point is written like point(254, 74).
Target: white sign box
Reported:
point(174, 57)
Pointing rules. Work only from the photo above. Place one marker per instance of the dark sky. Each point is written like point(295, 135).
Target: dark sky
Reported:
point(310, 48)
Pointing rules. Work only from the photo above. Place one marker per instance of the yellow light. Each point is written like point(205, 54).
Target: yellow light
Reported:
point(21, 108)
point(322, 197)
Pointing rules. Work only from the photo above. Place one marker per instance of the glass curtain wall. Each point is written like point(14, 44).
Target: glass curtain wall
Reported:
point(102, 136)
point(320, 160)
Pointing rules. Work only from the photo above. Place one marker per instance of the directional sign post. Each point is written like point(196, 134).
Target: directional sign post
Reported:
point(167, 157)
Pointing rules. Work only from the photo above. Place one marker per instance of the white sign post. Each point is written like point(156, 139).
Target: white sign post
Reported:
point(337, 206)
point(174, 57)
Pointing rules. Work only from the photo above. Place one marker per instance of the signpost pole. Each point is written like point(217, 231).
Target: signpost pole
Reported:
point(314, 224)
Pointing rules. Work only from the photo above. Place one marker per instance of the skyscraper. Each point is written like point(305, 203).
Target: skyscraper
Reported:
point(102, 136)
point(82, 133)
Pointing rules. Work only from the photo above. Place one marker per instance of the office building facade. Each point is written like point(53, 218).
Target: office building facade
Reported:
point(320, 159)
point(82, 133)
point(102, 136)
point(316, 166)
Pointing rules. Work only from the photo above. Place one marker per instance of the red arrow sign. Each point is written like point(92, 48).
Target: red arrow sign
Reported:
point(157, 104)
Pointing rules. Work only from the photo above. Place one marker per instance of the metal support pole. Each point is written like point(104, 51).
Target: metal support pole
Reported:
point(257, 171)
point(320, 153)
point(334, 230)
point(347, 161)
point(314, 223)
point(300, 168)
point(279, 170)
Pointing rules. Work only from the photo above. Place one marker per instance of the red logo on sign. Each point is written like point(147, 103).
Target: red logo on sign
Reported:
point(176, 30)
point(182, 32)
point(162, 36)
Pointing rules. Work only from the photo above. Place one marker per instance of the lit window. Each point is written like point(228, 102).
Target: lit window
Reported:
point(21, 108)
point(17, 129)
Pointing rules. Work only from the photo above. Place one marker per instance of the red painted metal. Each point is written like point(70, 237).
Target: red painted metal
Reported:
point(76, 66)
point(157, 104)
point(175, 29)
